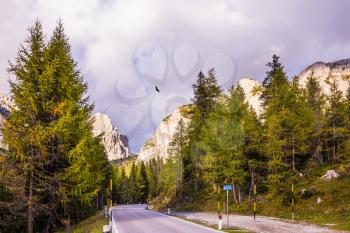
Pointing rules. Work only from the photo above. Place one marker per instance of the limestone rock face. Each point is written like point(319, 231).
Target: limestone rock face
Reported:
point(158, 145)
point(340, 70)
point(116, 144)
point(252, 93)
point(5, 104)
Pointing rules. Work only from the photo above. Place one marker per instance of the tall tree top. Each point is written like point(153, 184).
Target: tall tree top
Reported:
point(274, 81)
point(206, 90)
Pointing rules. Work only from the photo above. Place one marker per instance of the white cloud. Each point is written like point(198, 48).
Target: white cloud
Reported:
point(234, 36)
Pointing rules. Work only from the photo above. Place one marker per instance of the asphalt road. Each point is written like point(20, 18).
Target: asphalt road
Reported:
point(135, 219)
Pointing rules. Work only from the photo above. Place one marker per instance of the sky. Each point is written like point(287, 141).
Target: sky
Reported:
point(124, 48)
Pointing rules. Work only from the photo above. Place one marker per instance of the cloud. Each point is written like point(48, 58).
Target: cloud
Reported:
point(124, 48)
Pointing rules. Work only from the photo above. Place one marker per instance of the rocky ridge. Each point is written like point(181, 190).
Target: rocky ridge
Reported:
point(158, 144)
point(116, 144)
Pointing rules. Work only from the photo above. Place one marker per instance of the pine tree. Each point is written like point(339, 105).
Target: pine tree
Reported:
point(49, 133)
point(269, 87)
point(336, 130)
point(124, 186)
point(316, 102)
point(21, 129)
point(298, 124)
point(153, 177)
point(276, 97)
point(144, 184)
point(205, 90)
point(177, 151)
point(252, 148)
point(133, 185)
point(222, 140)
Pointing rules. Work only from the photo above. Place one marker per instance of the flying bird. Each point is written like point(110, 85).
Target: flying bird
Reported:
point(157, 89)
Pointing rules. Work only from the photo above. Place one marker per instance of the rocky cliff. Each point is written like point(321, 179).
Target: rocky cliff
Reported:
point(5, 104)
point(158, 144)
point(340, 70)
point(116, 144)
point(252, 93)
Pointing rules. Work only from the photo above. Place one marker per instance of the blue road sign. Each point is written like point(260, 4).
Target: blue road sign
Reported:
point(227, 187)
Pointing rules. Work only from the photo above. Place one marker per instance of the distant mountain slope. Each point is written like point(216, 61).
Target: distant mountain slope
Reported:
point(340, 70)
point(158, 144)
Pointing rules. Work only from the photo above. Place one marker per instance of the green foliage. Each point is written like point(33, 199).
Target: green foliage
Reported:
point(206, 90)
point(49, 134)
point(222, 139)
point(335, 130)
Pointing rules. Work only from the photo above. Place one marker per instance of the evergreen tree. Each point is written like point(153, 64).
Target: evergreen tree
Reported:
point(298, 124)
point(315, 99)
point(252, 149)
point(335, 123)
point(144, 184)
point(153, 177)
point(177, 150)
point(205, 90)
point(49, 132)
point(21, 131)
point(222, 140)
point(276, 97)
point(124, 186)
point(269, 86)
point(133, 185)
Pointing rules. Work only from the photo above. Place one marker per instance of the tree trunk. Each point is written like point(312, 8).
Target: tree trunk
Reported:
point(234, 193)
point(239, 195)
point(293, 153)
point(334, 155)
point(68, 230)
point(252, 182)
point(30, 203)
point(215, 187)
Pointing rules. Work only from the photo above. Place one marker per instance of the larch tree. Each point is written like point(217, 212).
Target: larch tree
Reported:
point(49, 132)
point(316, 102)
point(335, 121)
point(177, 150)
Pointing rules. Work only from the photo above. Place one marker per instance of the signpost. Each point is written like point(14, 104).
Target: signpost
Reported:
point(227, 187)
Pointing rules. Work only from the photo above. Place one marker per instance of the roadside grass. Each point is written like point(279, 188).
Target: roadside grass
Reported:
point(333, 212)
point(93, 224)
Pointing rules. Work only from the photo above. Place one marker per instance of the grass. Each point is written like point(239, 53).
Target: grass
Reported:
point(93, 224)
point(332, 212)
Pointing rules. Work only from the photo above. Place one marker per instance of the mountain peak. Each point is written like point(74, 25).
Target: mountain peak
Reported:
point(116, 144)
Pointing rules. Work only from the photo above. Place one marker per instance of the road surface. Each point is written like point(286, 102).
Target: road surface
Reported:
point(261, 225)
point(135, 219)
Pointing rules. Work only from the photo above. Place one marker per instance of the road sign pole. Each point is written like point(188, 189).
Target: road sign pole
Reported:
point(227, 206)
point(292, 202)
point(227, 187)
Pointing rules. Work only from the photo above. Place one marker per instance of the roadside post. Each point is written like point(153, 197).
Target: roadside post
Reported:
point(219, 209)
point(110, 202)
point(292, 202)
point(254, 207)
point(227, 187)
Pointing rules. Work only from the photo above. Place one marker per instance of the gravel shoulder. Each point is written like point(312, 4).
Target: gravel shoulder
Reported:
point(260, 225)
